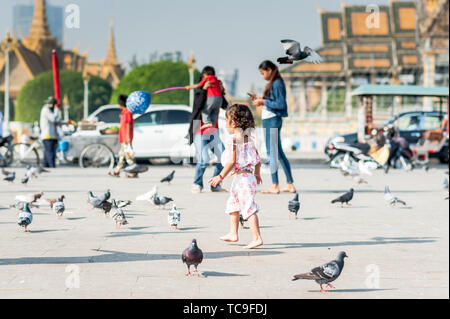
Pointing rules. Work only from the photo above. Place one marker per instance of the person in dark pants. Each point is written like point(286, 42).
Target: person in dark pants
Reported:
point(274, 108)
point(50, 120)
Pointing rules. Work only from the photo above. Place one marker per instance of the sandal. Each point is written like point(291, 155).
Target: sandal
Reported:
point(114, 174)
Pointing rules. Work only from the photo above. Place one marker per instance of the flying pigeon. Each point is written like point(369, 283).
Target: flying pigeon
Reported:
point(58, 206)
point(192, 256)
point(294, 206)
point(32, 171)
point(295, 53)
point(344, 198)
point(174, 217)
point(20, 205)
point(147, 196)
point(390, 198)
point(25, 217)
point(30, 198)
point(168, 178)
point(326, 273)
point(105, 196)
point(123, 203)
point(10, 178)
point(364, 168)
point(119, 215)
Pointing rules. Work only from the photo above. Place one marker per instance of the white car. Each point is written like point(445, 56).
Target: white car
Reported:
point(161, 132)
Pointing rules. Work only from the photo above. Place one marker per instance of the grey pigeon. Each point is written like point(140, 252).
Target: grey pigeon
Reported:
point(105, 196)
point(160, 201)
point(10, 178)
point(94, 201)
point(25, 217)
point(192, 256)
point(347, 197)
point(326, 273)
point(5, 172)
point(21, 204)
point(174, 217)
point(294, 206)
point(119, 215)
point(168, 178)
point(390, 198)
point(295, 53)
point(58, 206)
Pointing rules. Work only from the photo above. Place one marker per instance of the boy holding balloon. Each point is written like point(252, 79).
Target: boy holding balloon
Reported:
point(126, 153)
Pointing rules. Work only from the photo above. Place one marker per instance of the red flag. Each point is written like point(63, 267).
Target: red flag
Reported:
point(56, 86)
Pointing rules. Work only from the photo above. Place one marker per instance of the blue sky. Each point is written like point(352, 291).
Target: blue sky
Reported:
point(226, 34)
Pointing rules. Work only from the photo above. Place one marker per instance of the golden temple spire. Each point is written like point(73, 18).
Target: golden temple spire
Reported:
point(111, 57)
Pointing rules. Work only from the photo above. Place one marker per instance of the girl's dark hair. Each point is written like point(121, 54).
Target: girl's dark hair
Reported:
point(241, 115)
point(122, 100)
point(266, 65)
point(209, 70)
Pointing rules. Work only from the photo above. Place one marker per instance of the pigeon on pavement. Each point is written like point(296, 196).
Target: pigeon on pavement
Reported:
point(135, 169)
point(5, 172)
point(168, 178)
point(294, 206)
point(295, 53)
point(160, 201)
point(100, 203)
point(119, 215)
point(10, 178)
point(58, 206)
point(123, 203)
point(326, 273)
point(390, 198)
point(192, 256)
point(25, 217)
point(174, 217)
point(29, 198)
point(25, 179)
point(346, 198)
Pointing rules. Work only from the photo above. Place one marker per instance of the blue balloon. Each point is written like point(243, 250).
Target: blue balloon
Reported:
point(138, 102)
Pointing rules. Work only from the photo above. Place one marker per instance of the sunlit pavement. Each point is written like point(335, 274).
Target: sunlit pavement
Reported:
point(398, 252)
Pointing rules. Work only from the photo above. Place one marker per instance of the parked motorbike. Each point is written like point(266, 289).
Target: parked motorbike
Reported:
point(400, 153)
point(6, 151)
point(340, 152)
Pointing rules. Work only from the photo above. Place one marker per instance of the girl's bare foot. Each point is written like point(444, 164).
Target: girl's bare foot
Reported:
point(254, 244)
point(274, 189)
point(290, 188)
point(229, 238)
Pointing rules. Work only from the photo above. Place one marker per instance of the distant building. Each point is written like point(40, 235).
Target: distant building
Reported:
point(23, 16)
point(32, 55)
point(230, 80)
point(357, 50)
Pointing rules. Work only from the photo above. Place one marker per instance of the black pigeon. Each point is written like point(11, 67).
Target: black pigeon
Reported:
point(10, 178)
point(242, 220)
point(25, 179)
point(294, 206)
point(106, 207)
point(344, 198)
point(192, 256)
point(326, 273)
point(168, 178)
point(295, 53)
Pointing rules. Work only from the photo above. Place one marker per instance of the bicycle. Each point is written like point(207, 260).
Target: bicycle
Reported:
point(28, 154)
point(6, 151)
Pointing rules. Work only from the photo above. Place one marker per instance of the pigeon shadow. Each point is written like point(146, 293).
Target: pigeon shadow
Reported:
point(76, 218)
point(137, 228)
point(221, 274)
point(355, 290)
point(47, 231)
point(311, 218)
point(130, 234)
point(109, 256)
point(190, 228)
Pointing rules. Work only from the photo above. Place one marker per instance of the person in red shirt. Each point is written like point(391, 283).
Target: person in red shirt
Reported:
point(126, 153)
point(214, 96)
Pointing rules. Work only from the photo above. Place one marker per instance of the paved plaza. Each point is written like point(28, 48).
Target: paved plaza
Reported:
point(398, 252)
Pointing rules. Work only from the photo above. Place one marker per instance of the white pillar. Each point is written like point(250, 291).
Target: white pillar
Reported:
point(429, 70)
point(6, 115)
point(324, 99)
point(86, 99)
point(302, 99)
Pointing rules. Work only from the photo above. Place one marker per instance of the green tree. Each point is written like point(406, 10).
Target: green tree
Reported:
point(33, 94)
point(156, 76)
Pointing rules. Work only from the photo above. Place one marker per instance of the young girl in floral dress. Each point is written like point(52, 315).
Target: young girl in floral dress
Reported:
point(241, 159)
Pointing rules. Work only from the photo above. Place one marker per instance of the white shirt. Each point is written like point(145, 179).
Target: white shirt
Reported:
point(266, 114)
point(48, 123)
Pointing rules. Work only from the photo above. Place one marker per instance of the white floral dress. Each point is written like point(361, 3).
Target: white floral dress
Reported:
point(243, 187)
